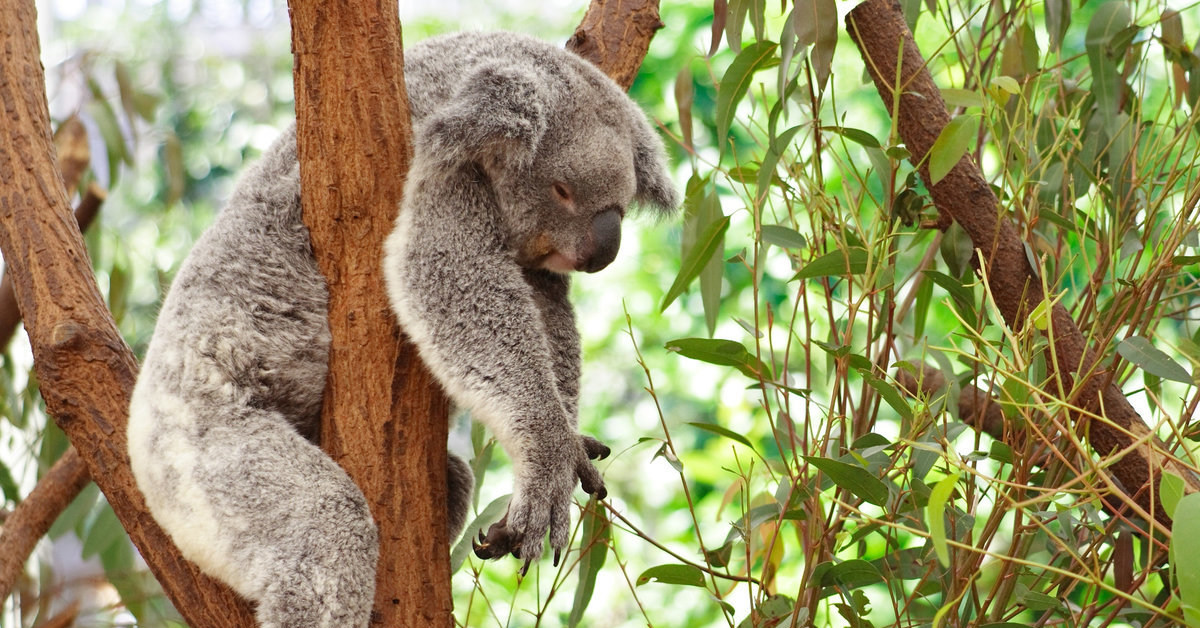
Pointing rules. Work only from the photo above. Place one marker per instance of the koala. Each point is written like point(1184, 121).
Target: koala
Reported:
point(526, 159)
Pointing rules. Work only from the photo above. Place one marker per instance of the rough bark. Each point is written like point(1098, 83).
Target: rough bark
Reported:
point(31, 519)
point(615, 35)
point(85, 369)
point(385, 418)
point(1106, 420)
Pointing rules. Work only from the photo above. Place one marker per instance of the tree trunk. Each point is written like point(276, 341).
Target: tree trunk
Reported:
point(384, 419)
point(85, 369)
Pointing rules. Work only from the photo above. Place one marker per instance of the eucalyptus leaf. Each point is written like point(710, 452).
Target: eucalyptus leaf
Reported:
point(855, 479)
point(835, 263)
point(951, 146)
point(736, 80)
point(673, 574)
point(1139, 351)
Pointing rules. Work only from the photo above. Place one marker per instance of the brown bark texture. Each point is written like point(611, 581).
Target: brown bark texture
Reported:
point(32, 518)
point(615, 35)
point(387, 431)
point(85, 369)
point(1106, 420)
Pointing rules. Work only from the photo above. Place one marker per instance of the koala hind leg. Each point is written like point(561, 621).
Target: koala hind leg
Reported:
point(460, 484)
point(259, 507)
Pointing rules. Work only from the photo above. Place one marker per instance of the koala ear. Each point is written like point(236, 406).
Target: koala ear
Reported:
point(495, 114)
point(654, 187)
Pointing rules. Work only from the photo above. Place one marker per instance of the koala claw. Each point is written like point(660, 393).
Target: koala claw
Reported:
point(498, 541)
point(595, 449)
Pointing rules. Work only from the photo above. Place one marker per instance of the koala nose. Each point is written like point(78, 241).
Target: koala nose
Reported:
point(606, 239)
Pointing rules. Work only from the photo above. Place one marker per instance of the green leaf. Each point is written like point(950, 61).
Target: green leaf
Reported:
point(1170, 491)
point(857, 136)
point(1139, 351)
point(596, 534)
point(1058, 18)
point(962, 97)
point(825, 18)
point(722, 431)
point(935, 516)
point(783, 237)
point(961, 295)
point(849, 574)
point(103, 532)
point(1185, 547)
point(735, 82)
point(673, 574)
point(1039, 601)
point(835, 263)
point(889, 394)
point(766, 173)
point(950, 146)
point(8, 486)
point(721, 352)
point(853, 478)
point(705, 249)
point(1008, 84)
point(1109, 19)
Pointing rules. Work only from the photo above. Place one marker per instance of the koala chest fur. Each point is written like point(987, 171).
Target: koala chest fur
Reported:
point(526, 160)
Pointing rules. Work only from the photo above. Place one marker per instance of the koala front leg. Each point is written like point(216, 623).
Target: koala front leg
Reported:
point(550, 292)
point(461, 297)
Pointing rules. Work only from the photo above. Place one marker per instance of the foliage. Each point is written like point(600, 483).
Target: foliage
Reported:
point(768, 470)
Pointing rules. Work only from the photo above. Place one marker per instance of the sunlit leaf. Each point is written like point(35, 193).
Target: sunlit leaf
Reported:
point(1185, 547)
point(707, 245)
point(736, 80)
point(721, 352)
point(935, 516)
point(673, 574)
point(951, 146)
point(1170, 491)
point(835, 263)
point(684, 96)
point(783, 237)
point(594, 547)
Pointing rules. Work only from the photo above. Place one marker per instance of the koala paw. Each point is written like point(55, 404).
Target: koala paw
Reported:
point(541, 503)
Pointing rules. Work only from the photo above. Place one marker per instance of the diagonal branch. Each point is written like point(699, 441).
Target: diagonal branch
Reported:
point(1105, 418)
point(85, 368)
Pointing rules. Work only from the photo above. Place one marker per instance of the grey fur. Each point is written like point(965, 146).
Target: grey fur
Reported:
point(230, 391)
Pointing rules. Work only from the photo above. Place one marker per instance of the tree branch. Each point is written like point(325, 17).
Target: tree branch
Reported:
point(615, 35)
point(32, 518)
point(1106, 419)
point(85, 368)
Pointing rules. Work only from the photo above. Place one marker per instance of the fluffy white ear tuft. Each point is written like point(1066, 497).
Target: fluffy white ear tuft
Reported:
point(496, 115)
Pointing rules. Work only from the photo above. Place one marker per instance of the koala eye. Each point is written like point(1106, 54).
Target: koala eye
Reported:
point(562, 192)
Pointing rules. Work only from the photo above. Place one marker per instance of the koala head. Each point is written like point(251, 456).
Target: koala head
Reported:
point(565, 151)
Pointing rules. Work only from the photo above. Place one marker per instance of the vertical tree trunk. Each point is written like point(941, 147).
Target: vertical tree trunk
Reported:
point(85, 369)
point(384, 419)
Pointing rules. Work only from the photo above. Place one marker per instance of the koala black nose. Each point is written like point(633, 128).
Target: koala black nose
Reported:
point(606, 237)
